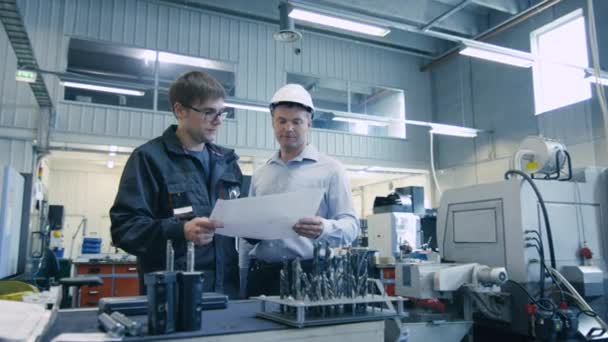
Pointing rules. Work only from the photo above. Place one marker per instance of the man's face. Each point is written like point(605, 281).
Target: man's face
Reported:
point(291, 125)
point(201, 120)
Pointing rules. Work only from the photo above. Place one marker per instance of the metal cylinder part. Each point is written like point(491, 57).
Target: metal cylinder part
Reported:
point(190, 257)
point(492, 275)
point(110, 326)
point(133, 328)
point(170, 256)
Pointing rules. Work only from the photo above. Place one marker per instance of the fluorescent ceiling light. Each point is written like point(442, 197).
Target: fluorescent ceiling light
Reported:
point(103, 88)
point(498, 54)
point(361, 121)
point(455, 131)
point(166, 57)
point(595, 79)
point(344, 24)
point(247, 107)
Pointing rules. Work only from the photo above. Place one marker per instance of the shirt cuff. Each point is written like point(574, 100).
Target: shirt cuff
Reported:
point(327, 226)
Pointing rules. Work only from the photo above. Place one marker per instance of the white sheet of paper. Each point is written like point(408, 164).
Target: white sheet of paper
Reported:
point(266, 217)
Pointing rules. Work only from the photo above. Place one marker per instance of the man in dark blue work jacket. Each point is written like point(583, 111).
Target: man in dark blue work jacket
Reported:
point(170, 185)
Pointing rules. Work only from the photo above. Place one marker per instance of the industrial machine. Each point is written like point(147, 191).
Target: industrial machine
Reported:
point(395, 227)
point(543, 225)
point(394, 234)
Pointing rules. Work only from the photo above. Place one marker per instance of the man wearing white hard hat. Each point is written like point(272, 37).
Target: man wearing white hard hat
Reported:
point(296, 166)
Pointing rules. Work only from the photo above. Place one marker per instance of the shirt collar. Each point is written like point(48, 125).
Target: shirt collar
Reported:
point(309, 153)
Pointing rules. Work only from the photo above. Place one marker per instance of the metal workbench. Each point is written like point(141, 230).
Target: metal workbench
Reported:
point(235, 323)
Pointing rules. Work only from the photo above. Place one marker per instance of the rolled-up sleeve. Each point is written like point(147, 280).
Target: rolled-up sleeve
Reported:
point(341, 227)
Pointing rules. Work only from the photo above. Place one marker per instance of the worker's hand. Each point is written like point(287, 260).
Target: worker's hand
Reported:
point(310, 227)
point(200, 230)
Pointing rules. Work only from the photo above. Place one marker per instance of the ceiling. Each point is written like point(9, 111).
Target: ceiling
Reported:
point(412, 22)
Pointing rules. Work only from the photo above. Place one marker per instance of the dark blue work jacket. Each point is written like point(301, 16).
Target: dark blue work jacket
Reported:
point(160, 177)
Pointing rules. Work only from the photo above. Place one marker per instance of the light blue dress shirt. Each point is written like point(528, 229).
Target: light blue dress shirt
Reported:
point(311, 169)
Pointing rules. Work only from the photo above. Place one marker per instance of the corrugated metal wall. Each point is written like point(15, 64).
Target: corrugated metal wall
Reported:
point(500, 98)
point(66, 186)
point(18, 112)
point(261, 67)
point(16, 153)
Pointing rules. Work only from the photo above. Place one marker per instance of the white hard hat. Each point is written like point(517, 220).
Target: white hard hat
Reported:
point(293, 93)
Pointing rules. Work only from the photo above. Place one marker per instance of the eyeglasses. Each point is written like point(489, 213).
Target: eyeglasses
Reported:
point(210, 113)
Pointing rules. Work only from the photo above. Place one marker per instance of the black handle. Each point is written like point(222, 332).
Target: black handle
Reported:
point(591, 332)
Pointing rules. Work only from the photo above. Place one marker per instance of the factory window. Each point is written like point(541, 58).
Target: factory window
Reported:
point(109, 74)
point(355, 107)
point(558, 44)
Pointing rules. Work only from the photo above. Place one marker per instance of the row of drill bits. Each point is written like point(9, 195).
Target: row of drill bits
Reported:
point(333, 277)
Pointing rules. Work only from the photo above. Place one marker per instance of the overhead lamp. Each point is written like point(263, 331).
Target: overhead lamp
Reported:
point(497, 54)
point(166, 57)
point(344, 24)
point(360, 121)
point(103, 88)
point(247, 107)
point(110, 164)
point(455, 131)
point(287, 32)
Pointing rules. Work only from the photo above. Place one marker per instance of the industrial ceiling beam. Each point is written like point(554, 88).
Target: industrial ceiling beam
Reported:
point(506, 6)
point(408, 12)
point(445, 15)
point(524, 15)
point(267, 11)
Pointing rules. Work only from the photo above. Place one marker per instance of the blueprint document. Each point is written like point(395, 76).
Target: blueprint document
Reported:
point(266, 217)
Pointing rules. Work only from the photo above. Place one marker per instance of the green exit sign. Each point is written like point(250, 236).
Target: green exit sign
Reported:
point(26, 76)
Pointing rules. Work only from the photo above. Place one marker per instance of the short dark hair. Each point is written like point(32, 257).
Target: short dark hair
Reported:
point(193, 86)
point(289, 104)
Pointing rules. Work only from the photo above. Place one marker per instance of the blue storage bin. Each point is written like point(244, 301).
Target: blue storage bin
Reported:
point(91, 245)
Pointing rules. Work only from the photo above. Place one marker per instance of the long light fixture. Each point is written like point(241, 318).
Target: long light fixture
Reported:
point(498, 54)
point(247, 107)
point(360, 121)
point(166, 57)
point(103, 88)
point(455, 131)
point(344, 24)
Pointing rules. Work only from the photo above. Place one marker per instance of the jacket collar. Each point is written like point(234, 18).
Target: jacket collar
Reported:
point(174, 145)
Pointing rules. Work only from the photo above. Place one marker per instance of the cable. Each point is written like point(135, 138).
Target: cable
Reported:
point(537, 302)
point(543, 209)
point(531, 231)
point(586, 313)
point(579, 213)
point(577, 297)
point(433, 165)
point(562, 293)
